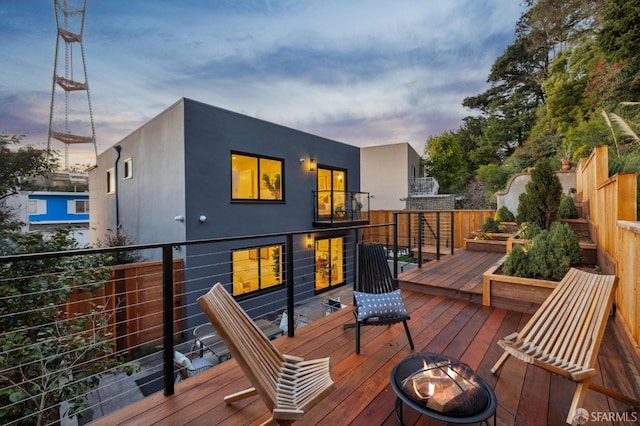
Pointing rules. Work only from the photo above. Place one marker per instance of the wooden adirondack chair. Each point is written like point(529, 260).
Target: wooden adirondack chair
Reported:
point(564, 334)
point(288, 385)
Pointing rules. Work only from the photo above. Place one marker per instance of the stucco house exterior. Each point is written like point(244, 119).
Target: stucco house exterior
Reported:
point(196, 171)
point(388, 173)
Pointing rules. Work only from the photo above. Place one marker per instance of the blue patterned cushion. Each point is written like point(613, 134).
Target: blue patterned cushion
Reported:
point(385, 305)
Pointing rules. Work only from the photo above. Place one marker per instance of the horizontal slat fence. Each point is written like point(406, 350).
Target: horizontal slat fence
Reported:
point(133, 296)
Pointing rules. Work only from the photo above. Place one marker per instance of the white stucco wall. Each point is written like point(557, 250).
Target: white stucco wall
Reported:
point(385, 173)
point(517, 185)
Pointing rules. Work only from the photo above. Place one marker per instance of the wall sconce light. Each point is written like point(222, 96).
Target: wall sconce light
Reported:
point(309, 241)
point(312, 165)
point(202, 219)
point(301, 160)
point(179, 218)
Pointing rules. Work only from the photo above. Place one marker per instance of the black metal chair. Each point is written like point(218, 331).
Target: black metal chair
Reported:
point(377, 301)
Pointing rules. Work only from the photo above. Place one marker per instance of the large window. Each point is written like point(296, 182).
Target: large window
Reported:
point(256, 178)
point(256, 269)
point(332, 184)
point(329, 263)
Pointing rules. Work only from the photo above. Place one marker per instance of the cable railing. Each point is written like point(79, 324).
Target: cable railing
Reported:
point(79, 331)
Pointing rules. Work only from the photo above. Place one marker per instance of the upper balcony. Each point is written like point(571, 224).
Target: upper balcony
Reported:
point(340, 208)
point(423, 186)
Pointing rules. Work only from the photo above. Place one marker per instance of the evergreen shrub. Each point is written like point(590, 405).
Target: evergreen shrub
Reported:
point(516, 263)
point(567, 209)
point(504, 215)
point(545, 259)
point(540, 203)
point(490, 225)
point(548, 256)
point(563, 236)
point(528, 231)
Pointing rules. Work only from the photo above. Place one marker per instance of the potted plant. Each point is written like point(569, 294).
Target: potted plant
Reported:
point(273, 185)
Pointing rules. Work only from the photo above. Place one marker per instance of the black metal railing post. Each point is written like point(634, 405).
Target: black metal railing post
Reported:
point(395, 244)
point(167, 317)
point(290, 289)
point(452, 232)
point(420, 237)
point(438, 235)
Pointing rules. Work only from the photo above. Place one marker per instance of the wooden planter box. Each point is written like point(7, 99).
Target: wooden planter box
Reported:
point(496, 243)
point(514, 293)
point(578, 225)
point(510, 227)
point(492, 246)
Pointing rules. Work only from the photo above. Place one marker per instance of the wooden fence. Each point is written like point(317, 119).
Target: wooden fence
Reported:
point(609, 205)
point(133, 301)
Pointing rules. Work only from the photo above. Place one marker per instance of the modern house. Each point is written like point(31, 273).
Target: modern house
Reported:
point(389, 173)
point(196, 171)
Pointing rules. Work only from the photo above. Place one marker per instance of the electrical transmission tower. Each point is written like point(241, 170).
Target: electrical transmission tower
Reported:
point(70, 118)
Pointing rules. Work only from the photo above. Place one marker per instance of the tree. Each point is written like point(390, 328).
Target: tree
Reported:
point(21, 164)
point(540, 203)
point(15, 167)
point(619, 39)
point(48, 355)
point(445, 161)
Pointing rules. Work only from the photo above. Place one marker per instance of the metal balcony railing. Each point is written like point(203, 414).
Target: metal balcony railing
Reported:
point(423, 186)
point(73, 328)
point(340, 208)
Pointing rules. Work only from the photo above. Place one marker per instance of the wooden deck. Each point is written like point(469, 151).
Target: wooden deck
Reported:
point(457, 276)
point(363, 396)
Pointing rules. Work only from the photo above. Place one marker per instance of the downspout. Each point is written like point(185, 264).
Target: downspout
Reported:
point(118, 148)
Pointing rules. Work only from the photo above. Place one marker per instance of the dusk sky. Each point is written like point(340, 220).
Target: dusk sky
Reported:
point(362, 72)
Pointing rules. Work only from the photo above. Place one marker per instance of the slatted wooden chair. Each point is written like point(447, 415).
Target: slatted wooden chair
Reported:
point(288, 385)
point(564, 334)
point(377, 301)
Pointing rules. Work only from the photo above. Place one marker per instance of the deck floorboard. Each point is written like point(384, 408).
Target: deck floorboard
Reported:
point(363, 396)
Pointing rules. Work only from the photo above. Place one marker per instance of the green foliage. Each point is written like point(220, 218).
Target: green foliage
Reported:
point(445, 161)
point(121, 239)
point(619, 38)
point(548, 256)
point(48, 356)
point(494, 176)
point(569, 60)
point(273, 185)
point(491, 226)
point(546, 259)
point(528, 231)
point(504, 215)
point(516, 264)
point(539, 204)
point(567, 209)
point(16, 166)
point(21, 163)
point(540, 259)
point(580, 140)
point(563, 236)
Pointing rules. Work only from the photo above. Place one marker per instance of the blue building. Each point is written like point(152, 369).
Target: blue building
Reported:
point(45, 211)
